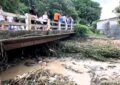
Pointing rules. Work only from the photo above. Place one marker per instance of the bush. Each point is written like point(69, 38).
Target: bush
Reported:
point(119, 21)
point(94, 26)
point(82, 30)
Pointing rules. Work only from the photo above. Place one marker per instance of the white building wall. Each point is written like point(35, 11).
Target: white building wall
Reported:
point(101, 25)
point(110, 28)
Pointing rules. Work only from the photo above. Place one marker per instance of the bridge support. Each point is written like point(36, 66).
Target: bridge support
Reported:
point(3, 57)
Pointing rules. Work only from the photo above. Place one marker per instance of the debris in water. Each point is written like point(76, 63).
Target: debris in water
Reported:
point(39, 77)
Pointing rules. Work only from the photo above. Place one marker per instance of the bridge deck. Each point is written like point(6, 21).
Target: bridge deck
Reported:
point(29, 40)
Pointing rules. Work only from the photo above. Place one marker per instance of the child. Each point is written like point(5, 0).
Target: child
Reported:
point(10, 20)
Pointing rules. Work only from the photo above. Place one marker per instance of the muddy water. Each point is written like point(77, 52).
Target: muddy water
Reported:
point(19, 70)
point(58, 67)
point(80, 71)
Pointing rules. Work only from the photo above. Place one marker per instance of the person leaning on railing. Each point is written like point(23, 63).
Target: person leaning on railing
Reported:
point(45, 18)
point(57, 16)
point(2, 19)
point(63, 20)
point(10, 19)
point(70, 21)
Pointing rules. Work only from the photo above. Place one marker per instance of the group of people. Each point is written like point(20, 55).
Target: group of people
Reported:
point(36, 19)
point(63, 19)
point(56, 17)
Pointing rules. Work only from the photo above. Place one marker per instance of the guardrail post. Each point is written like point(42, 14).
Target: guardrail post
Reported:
point(28, 21)
point(48, 24)
point(71, 26)
point(59, 25)
point(66, 26)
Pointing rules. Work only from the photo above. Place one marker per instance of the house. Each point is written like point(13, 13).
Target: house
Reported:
point(101, 24)
point(109, 27)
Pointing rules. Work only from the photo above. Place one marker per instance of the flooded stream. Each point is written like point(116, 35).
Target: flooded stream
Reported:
point(83, 72)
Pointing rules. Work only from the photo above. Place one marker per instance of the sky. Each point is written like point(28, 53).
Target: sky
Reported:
point(107, 7)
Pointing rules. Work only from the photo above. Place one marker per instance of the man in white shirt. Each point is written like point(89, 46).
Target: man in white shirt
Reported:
point(1, 15)
point(64, 19)
point(45, 18)
point(41, 20)
point(2, 18)
point(10, 19)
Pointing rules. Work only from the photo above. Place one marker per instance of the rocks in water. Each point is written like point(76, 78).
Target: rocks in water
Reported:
point(111, 66)
point(29, 63)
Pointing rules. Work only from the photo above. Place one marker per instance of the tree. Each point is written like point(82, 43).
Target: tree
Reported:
point(87, 10)
point(14, 6)
point(117, 11)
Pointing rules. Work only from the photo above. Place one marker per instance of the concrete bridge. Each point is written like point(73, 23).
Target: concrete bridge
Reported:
point(27, 34)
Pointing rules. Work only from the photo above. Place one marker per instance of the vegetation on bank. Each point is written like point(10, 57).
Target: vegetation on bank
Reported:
point(84, 31)
point(109, 83)
point(91, 50)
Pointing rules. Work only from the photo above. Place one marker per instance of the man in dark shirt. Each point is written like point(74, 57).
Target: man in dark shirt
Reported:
point(33, 11)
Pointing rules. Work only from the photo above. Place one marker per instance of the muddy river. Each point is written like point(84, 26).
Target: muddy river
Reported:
point(83, 72)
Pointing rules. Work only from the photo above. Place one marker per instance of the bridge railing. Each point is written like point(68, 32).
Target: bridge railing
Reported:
point(23, 22)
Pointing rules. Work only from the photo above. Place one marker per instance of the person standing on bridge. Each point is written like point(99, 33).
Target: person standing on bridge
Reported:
point(10, 19)
point(45, 18)
point(34, 14)
point(2, 19)
point(57, 16)
point(33, 11)
point(70, 21)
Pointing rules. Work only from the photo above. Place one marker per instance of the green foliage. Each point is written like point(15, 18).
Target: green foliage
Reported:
point(117, 10)
point(119, 21)
point(94, 26)
point(82, 30)
point(88, 11)
point(109, 83)
point(14, 6)
point(91, 50)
